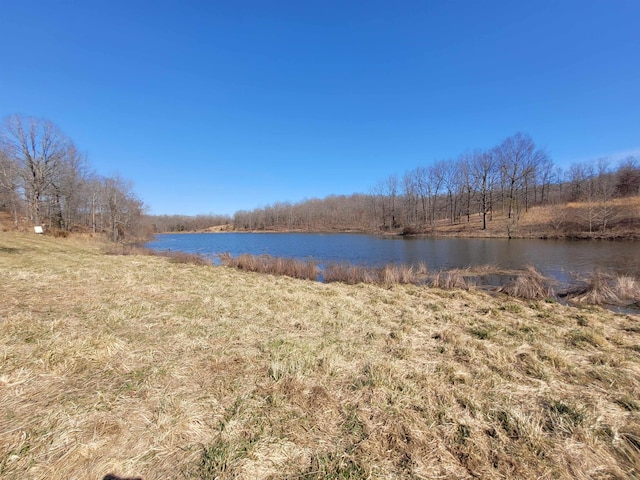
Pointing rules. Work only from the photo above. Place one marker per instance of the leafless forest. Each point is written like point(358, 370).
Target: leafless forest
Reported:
point(505, 181)
point(45, 180)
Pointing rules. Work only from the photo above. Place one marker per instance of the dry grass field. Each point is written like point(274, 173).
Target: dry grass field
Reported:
point(145, 367)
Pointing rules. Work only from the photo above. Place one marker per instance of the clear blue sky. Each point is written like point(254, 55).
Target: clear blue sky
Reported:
point(217, 106)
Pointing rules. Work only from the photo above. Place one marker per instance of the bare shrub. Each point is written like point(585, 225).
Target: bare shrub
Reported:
point(530, 284)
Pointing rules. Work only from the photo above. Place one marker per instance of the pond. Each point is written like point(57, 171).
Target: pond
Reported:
point(561, 260)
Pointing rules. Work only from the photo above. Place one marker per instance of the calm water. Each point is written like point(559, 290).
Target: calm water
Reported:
point(559, 259)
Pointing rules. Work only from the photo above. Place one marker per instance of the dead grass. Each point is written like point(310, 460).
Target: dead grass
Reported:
point(530, 285)
point(140, 367)
point(348, 274)
point(174, 256)
point(604, 289)
point(290, 267)
point(627, 288)
point(449, 279)
point(388, 275)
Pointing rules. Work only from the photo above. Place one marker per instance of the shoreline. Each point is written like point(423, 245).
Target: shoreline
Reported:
point(610, 236)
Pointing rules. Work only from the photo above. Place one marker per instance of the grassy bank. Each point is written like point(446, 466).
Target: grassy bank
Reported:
point(143, 366)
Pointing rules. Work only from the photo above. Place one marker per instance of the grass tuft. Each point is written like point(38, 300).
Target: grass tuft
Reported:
point(529, 285)
point(307, 270)
point(449, 280)
point(348, 274)
point(605, 289)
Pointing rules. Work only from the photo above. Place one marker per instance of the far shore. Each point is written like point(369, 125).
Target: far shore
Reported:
point(607, 235)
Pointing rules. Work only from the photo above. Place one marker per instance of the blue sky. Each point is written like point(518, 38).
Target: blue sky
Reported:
point(213, 107)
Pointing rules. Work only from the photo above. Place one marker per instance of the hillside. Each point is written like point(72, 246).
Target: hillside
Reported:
point(568, 220)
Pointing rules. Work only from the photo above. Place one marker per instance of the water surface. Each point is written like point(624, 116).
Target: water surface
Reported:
point(562, 260)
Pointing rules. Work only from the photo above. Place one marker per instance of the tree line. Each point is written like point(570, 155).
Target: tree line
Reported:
point(46, 180)
point(185, 223)
point(507, 179)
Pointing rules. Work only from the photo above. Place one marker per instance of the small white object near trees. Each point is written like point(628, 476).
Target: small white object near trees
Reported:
point(38, 229)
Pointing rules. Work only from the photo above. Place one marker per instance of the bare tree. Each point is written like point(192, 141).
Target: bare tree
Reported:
point(39, 147)
point(437, 173)
point(577, 177)
point(519, 159)
point(379, 204)
point(628, 177)
point(391, 185)
point(544, 173)
point(9, 184)
point(604, 191)
point(465, 180)
point(450, 180)
point(124, 210)
point(483, 172)
point(410, 196)
point(421, 182)
point(69, 187)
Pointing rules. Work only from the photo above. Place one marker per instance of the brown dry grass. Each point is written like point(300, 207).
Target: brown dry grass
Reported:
point(604, 289)
point(174, 256)
point(142, 367)
point(450, 279)
point(290, 267)
point(349, 274)
point(548, 221)
point(530, 285)
point(391, 274)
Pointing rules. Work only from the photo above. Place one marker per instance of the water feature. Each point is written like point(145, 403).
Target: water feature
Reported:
point(561, 260)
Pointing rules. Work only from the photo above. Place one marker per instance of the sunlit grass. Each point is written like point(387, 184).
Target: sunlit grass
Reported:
point(139, 366)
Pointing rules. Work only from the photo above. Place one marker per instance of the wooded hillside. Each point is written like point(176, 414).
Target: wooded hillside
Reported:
point(474, 190)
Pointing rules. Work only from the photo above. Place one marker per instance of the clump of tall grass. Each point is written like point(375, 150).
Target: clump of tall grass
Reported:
point(529, 284)
point(449, 280)
point(348, 274)
point(290, 267)
point(627, 287)
point(605, 289)
point(392, 274)
point(422, 268)
point(483, 270)
point(183, 257)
